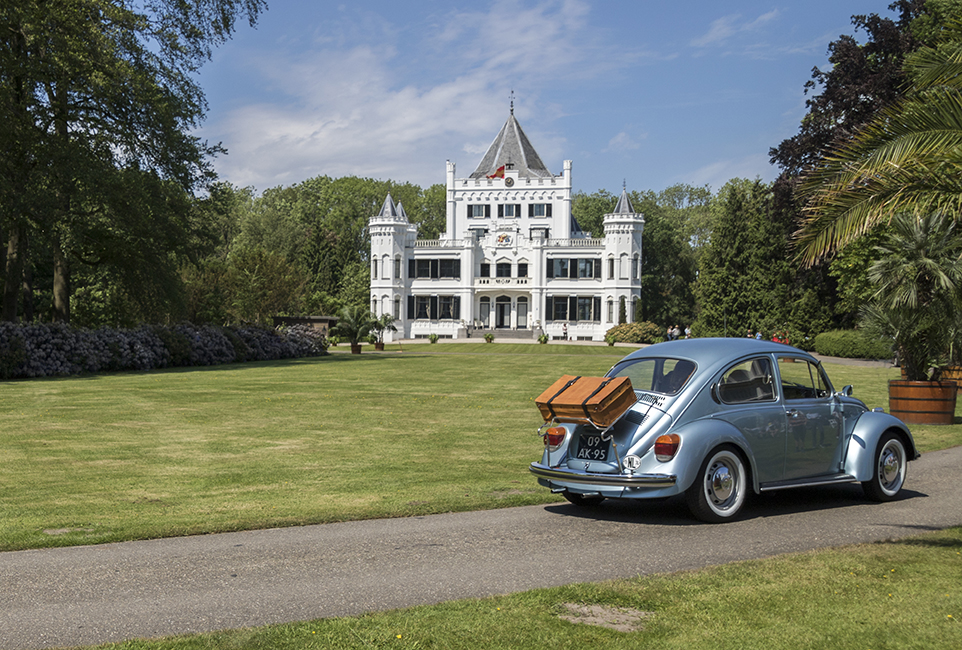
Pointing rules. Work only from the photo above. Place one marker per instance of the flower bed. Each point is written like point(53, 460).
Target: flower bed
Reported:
point(50, 349)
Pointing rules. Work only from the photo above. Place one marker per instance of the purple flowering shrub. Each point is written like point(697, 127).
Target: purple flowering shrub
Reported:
point(53, 349)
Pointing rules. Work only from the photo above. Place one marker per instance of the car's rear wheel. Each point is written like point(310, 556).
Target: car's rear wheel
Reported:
point(889, 469)
point(583, 500)
point(719, 491)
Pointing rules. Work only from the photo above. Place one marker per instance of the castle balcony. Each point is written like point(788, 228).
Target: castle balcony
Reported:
point(442, 243)
point(497, 283)
point(576, 243)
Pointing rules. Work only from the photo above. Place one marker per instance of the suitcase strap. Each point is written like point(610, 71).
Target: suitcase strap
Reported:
point(584, 404)
point(563, 389)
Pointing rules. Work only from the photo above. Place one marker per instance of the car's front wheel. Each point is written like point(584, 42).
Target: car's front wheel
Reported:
point(583, 500)
point(719, 492)
point(888, 474)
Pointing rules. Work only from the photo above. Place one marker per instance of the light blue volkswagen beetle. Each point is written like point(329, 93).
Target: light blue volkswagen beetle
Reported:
point(717, 418)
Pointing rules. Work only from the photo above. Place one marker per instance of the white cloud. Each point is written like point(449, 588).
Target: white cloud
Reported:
point(621, 143)
point(723, 29)
point(716, 174)
point(364, 109)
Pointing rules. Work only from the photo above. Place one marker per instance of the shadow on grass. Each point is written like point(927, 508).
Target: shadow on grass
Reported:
point(926, 542)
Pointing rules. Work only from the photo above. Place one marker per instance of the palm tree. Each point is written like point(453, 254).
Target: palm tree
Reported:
point(354, 324)
point(908, 159)
point(919, 284)
point(383, 324)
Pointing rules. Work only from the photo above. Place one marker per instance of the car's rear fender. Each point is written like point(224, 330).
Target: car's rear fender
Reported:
point(860, 454)
point(698, 438)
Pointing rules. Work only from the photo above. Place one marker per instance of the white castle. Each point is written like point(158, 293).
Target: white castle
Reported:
point(512, 260)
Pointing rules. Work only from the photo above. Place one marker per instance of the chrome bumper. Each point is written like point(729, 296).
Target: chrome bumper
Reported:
point(565, 475)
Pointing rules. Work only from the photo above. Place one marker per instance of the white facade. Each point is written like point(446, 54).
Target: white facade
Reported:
point(511, 261)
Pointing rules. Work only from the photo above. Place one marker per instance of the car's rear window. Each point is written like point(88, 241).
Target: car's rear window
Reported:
point(659, 374)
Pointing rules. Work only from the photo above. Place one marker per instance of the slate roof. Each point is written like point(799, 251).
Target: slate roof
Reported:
point(624, 204)
point(388, 209)
point(512, 148)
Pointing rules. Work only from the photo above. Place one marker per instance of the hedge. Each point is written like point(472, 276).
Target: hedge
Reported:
point(852, 344)
point(643, 332)
point(51, 349)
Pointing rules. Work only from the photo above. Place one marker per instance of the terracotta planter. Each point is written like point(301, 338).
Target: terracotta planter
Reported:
point(356, 349)
point(923, 402)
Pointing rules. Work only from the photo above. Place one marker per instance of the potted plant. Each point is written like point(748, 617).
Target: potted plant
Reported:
point(542, 338)
point(918, 279)
point(380, 325)
point(433, 338)
point(354, 324)
point(488, 337)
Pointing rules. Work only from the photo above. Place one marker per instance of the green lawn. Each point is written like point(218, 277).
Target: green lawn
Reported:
point(431, 429)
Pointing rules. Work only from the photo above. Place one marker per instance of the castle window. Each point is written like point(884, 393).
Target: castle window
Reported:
point(509, 210)
point(586, 268)
point(485, 270)
point(539, 209)
point(522, 270)
point(479, 211)
point(503, 270)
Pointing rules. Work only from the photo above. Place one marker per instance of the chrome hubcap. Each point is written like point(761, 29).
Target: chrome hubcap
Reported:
point(890, 467)
point(721, 483)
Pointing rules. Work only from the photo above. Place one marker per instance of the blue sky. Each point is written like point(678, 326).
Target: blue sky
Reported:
point(645, 92)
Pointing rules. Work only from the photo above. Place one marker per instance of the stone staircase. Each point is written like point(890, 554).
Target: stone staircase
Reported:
point(507, 334)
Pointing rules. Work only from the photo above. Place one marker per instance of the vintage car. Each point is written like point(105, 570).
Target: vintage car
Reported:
point(716, 419)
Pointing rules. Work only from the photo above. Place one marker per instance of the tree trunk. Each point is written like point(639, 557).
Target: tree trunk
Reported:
point(27, 295)
point(14, 273)
point(61, 284)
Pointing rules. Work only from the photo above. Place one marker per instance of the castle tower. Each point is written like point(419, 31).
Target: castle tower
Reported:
point(623, 234)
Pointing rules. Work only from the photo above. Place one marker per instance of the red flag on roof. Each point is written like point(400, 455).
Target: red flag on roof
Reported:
point(498, 174)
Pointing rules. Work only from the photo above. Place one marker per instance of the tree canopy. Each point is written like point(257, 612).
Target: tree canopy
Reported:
point(99, 106)
point(906, 159)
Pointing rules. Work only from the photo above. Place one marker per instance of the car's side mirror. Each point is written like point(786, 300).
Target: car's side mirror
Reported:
point(847, 391)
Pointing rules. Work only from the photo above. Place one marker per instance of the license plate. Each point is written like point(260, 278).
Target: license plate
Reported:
point(592, 447)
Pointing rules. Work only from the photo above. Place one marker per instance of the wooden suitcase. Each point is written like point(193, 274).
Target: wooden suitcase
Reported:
point(599, 401)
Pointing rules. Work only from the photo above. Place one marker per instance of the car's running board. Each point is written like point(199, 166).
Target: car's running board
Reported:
point(806, 482)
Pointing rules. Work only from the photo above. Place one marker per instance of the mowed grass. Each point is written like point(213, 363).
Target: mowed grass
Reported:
point(431, 429)
point(886, 596)
point(186, 451)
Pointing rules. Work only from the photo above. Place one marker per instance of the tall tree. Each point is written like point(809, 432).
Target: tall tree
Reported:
point(99, 105)
point(667, 259)
point(862, 79)
point(744, 277)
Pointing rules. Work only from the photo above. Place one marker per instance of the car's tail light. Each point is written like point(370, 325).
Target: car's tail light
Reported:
point(555, 437)
point(666, 446)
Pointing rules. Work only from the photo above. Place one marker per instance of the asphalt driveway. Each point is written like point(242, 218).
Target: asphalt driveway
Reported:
point(97, 594)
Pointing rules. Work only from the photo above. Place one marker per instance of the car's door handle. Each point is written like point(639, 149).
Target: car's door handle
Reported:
point(793, 413)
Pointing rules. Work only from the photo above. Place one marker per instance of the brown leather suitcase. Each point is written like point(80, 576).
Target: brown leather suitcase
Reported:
point(599, 401)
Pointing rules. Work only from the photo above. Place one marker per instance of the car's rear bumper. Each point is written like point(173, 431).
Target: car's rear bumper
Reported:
point(563, 475)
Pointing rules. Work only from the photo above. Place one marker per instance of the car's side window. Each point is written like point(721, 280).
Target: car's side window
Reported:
point(748, 381)
point(801, 379)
